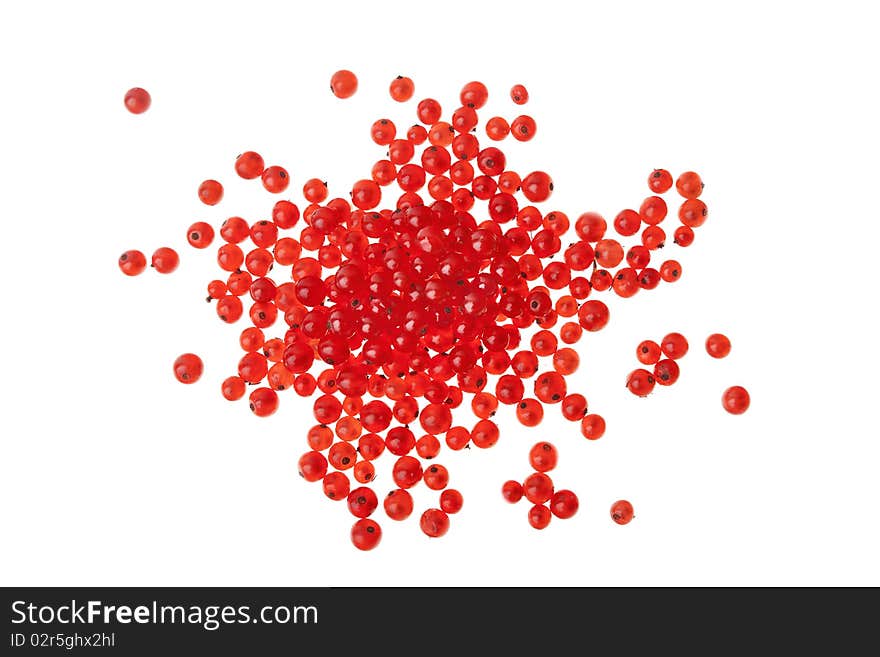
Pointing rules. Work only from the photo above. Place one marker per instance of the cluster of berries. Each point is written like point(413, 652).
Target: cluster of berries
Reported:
point(413, 290)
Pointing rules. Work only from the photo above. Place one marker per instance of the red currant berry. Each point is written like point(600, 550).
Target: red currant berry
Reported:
point(137, 100)
point(263, 402)
point(401, 89)
point(666, 372)
point(434, 523)
point(593, 315)
point(693, 213)
point(523, 128)
point(640, 382)
point(674, 345)
point(519, 94)
point(342, 456)
point(275, 179)
point(736, 400)
point(512, 491)
point(622, 512)
point(538, 488)
point(366, 534)
point(165, 260)
point(497, 128)
point(627, 222)
point(718, 345)
point(362, 502)
point(593, 426)
point(653, 210)
point(398, 504)
point(407, 471)
point(550, 387)
point(233, 388)
point(210, 192)
point(660, 181)
point(564, 504)
point(249, 165)
point(336, 485)
point(529, 412)
point(670, 271)
point(574, 407)
point(474, 95)
point(570, 332)
point(132, 262)
point(537, 186)
point(648, 352)
point(188, 368)
point(436, 477)
point(451, 501)
point(539, 516)
point(683, 236)
point(312, 466)
point(364, 472)
point(343, 84)
point(543, 457)
point(485, 434)
point(689, 184)
point(200, 235)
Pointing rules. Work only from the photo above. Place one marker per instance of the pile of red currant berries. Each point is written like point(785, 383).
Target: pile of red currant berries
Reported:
point(435, 279)
point(538, 489)
point(663, 357)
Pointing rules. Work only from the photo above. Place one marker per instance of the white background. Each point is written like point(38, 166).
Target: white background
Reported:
point(112, 473)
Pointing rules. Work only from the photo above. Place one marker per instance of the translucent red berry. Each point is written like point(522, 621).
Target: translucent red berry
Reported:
point(451, 501)
point(233, 388)
point(132, 262)
point(564, 504)
point(543, 457)
point(249, 165)
point(674, 345)
point(210, 192)
point(312, 466)
point(200, 235)
point(336, 485)
point(648, 352)
point(165, 260)
point(137, 100)
point(539, 516)
point(718, 345)
point(362, 502)
point(188, 368)
point(622, 512)
point(497, 128)
point(343, 84)
point(474, 94)
point(593, 426)
point(366, 534)
point(523, 128)
point(640, 382)
point(537, 488)
point(434, 523)
point(512, 491)
point(593, 315)
point(660, 181)
point(519, 94)
point(537, 186)
point(689, 184)
point(736, 400)
point(693, 213)
point(263, 402)
point(666, 372)
point(275, 179)
point(398, 504)
point(402, 89)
